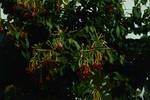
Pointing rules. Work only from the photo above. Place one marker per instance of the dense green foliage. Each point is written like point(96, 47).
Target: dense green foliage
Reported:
point(79, 47)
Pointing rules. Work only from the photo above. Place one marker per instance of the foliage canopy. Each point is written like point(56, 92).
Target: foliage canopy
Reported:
point(79, 38)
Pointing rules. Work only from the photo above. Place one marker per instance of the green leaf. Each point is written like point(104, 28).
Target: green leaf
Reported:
point(86, 29)
point(73, 67)
point(26, 55)
point(136, 2)
point(73, 42)
point(118, 76)
point(122, 29)
point(27, 43)
point(113, 37)
point(17, 34)
point(146, 13)
point(92, 29)
point(23, 53)
point(118, 31)
point(136, 12)
point(122, 59)
point(110, 57)
point(144, 2)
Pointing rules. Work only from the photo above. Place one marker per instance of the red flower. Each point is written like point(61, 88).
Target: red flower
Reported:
point(98, 65)
point(48, 78)
point(59, 46)
point(34, 14)
point(85, 71)
point(28, 70)
point(26, 14)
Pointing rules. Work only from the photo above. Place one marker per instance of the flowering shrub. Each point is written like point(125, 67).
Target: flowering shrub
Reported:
point(73, 42)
